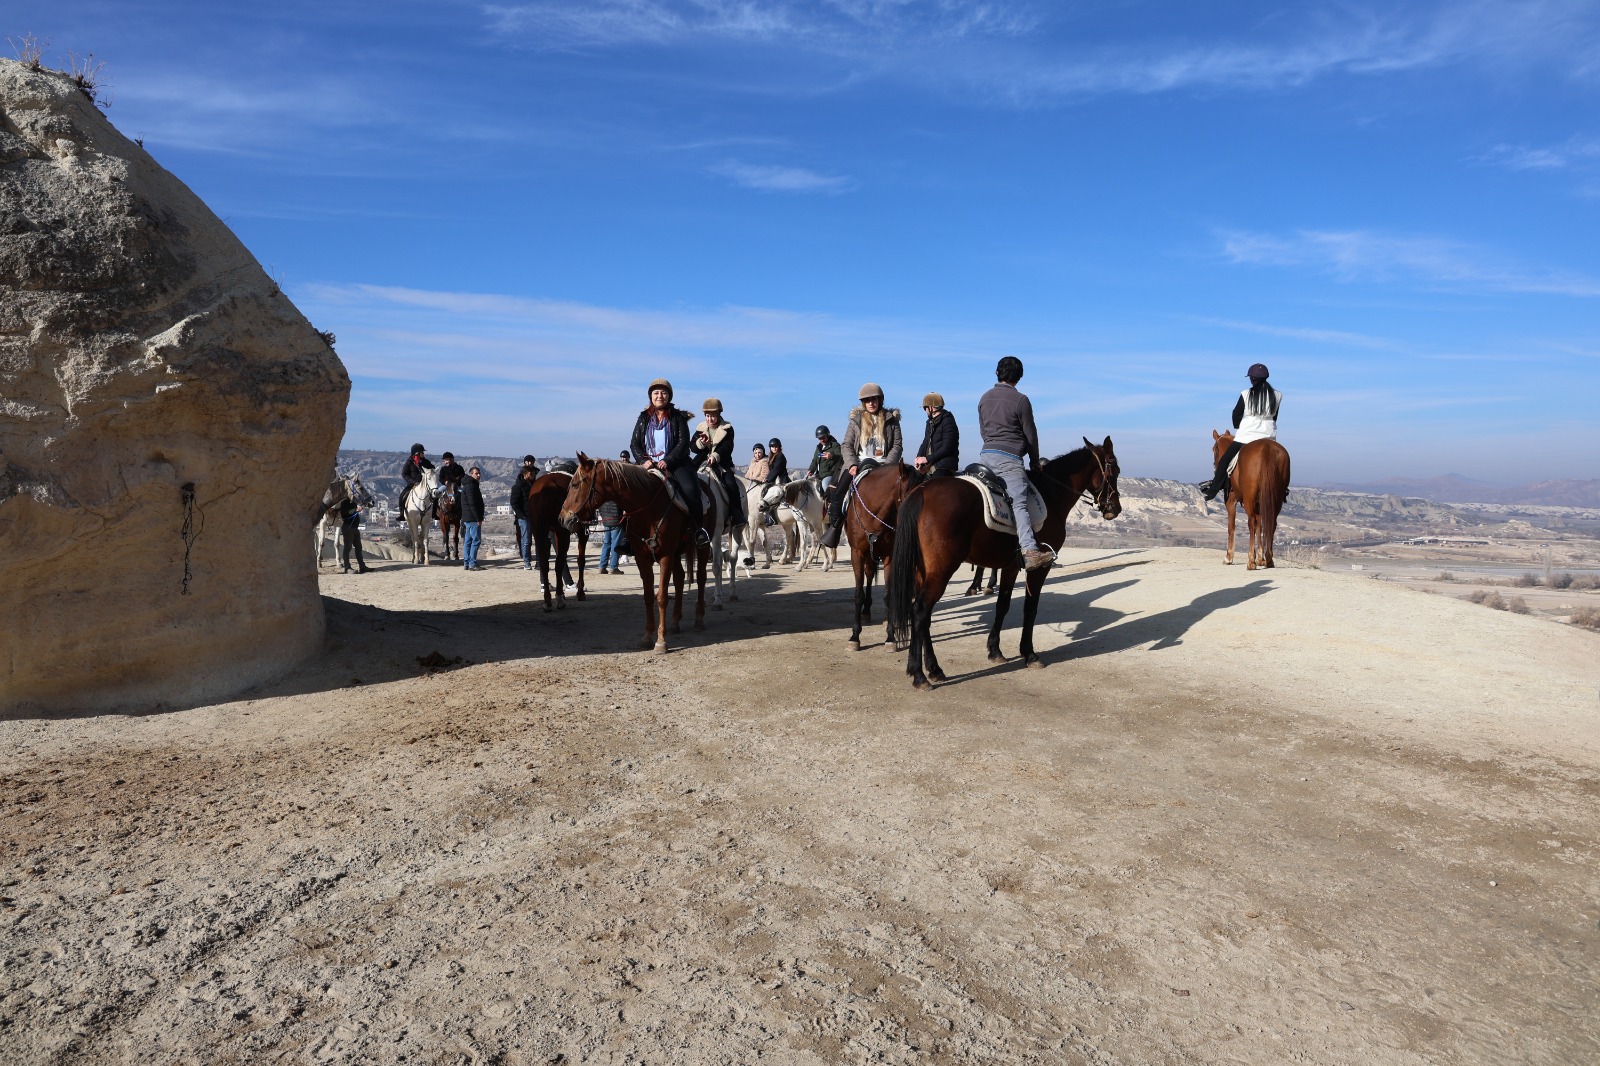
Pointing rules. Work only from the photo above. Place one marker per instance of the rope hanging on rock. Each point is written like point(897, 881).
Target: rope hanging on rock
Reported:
point(194, 520)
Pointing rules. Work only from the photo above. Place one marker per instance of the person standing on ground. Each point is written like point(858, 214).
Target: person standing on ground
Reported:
point(520, 489)
point(471, 519)
point(940, 453)
point(1255, 417)
point(872, 438)
point(350, 530)
point(1005, 418)
point(610, 514)
point(661, 441)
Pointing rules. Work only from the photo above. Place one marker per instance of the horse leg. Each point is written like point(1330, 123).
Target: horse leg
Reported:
point(929, 599)
point(1002, 604)
point(647, 577)
point(563, 541)
point(1034, 584)
point(1254, 522)
point(861, 592)
point(677, 599)
point(541, 552)
point(583, 548)
point(703, 556)
point(668, 567)
point(1232, 505)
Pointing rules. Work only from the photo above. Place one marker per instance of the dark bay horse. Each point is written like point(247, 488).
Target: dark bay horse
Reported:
point(941, 527)
point(657, 530)
point(1260, 483)
point(447, 508)
point(869, 522)
point(545, 498)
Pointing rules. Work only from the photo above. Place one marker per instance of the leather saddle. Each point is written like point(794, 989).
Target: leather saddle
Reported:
point(997, 512)
point(710, 493)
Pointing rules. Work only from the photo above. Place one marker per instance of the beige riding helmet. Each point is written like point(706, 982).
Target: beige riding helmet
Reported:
point(712, 405)
point(933, 399)
point(659, 383)
point(869, 391)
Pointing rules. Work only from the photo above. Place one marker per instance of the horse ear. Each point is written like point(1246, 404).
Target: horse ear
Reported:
point(1215, 435)
point(1087, 441)
point(1107, 444)
point(583, 460)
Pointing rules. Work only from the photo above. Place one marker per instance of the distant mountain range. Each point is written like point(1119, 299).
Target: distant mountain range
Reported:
point(1453, 488)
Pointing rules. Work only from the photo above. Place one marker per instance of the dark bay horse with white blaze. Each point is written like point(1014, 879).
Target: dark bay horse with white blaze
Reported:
point(1260, 482)
point(941, 526)
point(657, 529)
point(869, 521)
point(447, 508)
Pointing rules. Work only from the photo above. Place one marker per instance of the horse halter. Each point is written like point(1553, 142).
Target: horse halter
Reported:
point(1107, 492)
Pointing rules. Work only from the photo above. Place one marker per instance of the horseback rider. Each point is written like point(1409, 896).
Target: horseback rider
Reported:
point(450, 475)
point(777, 464)
point(941, 440)
point(759, 466)
point(1255, 417)
point(872, 438)
point(826, 460)
point(661, 441)
point(713, 452)
point(1005, 418)
point(411, 472)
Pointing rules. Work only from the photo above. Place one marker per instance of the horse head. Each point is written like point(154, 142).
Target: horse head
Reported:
point(359, 492)
point(1103, 484)
point(578, 508)
point(1219, 444)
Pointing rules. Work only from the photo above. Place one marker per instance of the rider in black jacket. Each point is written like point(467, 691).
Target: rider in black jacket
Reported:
point(941, 441)
point(661, 442)
point(411, 472)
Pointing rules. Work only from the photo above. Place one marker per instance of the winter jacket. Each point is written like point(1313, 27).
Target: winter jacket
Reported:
point(677, 438)
point(777, 469)
point(451, 471)
point(757, 470)
point(1248, 427)
point(520, 489)
point(718, 444)
point(827, 460)
point(941, 444)
point(471, 500)
point(610, 514)
point(1005, 418)
point(413, 468)
point(886, 451)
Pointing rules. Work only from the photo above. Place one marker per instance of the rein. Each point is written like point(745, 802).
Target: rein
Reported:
point(855, 490)
point(1100, 498)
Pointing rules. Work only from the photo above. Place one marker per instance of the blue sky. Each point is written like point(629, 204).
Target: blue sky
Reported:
point(514, 215)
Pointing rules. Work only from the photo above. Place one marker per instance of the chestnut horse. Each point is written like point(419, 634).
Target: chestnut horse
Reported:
point(544, 510)
point(657, 529)
point(447, 509)
point(941, 526)
point(869, 521)
point(1260, 482)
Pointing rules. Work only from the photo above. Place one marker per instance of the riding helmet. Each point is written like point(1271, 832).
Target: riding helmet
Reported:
point(822, 431)
point(774, 443)
point(869, 391)
point(1257, 372)
point(711, 404)
point(660, 383)
point(1009, 369)
point(449, 457)
point(933, 399)
point(417, 449)
point(530, 459)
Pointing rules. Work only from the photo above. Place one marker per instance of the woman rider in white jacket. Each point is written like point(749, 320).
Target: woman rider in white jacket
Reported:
point(1255, 417)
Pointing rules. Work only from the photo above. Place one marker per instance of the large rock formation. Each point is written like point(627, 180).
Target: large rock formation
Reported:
point(143, 351)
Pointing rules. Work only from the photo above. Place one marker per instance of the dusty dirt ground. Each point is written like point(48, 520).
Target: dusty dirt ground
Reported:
point(1283, 816)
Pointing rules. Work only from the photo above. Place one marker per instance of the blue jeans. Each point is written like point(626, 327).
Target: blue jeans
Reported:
point(1015, 475)
point(525, 541)
point(608, 548)
point(471, 537)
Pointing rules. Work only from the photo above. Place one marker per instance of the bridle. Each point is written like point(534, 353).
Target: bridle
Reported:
point(1101, 497)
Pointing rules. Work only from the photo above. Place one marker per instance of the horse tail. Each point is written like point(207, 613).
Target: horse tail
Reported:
point(1272, 488)
point(900, 589)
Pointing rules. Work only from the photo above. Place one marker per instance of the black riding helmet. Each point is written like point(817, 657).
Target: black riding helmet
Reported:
point(822, 431)
point(417, 449)
point(774, 443)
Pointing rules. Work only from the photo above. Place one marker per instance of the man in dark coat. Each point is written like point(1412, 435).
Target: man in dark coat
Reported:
point(471, 519)
point(940, 453)
point(519, 510)
point(350, 530)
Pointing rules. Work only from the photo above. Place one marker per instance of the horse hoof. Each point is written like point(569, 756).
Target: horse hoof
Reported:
point(854, 645)
point(547, 608)
point(936, 676)
point(996, 657)
point(716, 606)
point(1035, 663)
point(922, 683)
point(561, 605)
point(661, 649)
point(699, 627)
point(732, 598)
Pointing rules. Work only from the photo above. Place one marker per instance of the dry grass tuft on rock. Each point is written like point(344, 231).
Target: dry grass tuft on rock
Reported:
point(1586, 617)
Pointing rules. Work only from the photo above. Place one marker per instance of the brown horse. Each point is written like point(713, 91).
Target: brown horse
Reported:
point(1261, 483)
point(544, 509)
point(447, 509)
point(869, 521)
point(941, 527)
point(657, 529)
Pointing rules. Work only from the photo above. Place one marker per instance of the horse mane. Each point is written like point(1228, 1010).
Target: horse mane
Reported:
point(625, 474)
point(1074, 458)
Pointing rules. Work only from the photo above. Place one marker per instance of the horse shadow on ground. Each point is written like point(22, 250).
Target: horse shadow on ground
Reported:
point(1100, 630)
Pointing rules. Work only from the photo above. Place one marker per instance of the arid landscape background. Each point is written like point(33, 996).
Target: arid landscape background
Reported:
point(1291, 815)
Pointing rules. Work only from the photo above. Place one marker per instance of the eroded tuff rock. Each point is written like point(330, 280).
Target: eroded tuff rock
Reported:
point(142, 349)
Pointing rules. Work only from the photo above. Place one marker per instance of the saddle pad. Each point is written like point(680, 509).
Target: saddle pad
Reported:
point(1233, 465)
point(997, 510)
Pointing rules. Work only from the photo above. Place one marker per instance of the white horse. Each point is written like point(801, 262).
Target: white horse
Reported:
point(764, 500)
point(329, 523)
point(805, 499)
point(418, 509)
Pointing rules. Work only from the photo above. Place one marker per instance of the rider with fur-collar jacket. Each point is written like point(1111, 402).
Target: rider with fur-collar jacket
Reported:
point(713, 450)
point(882, 442)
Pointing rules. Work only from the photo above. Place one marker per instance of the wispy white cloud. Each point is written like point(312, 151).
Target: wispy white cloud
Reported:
point(781, 178)
point(1359, 255)
point(1318, 336)
point(1023, 50)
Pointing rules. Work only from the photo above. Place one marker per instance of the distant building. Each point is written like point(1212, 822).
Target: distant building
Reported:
point(502, 508)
